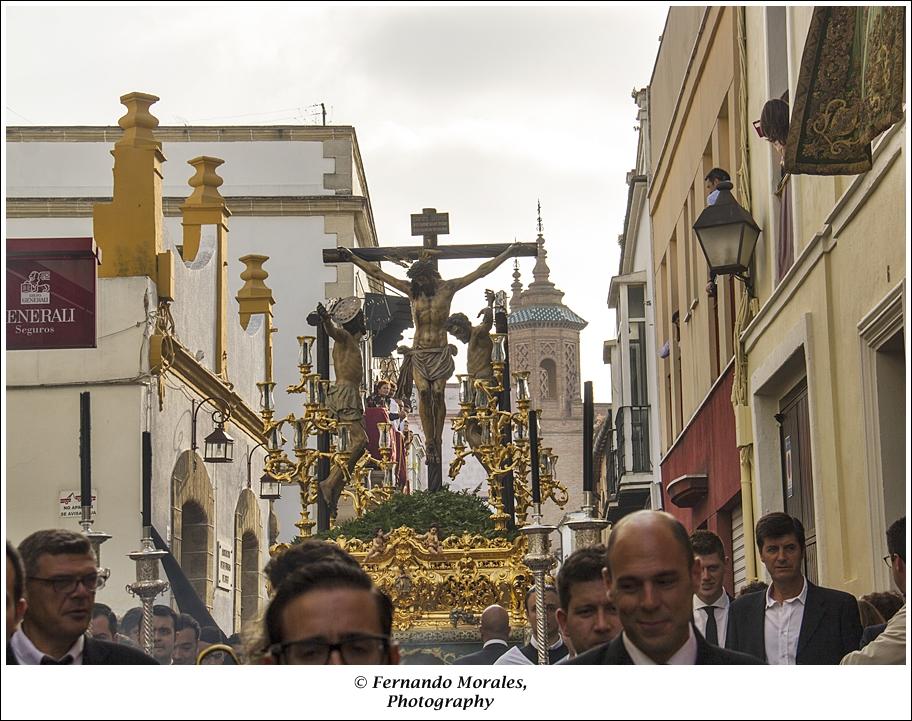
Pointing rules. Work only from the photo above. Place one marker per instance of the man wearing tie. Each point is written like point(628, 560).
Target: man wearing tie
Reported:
point(710, 602)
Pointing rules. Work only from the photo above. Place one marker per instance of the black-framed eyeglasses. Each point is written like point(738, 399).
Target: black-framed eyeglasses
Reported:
point(315, 652)
point(68, 584)
point(888, 559)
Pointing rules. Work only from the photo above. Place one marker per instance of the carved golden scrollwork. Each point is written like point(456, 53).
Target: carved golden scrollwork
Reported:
point(427, 582)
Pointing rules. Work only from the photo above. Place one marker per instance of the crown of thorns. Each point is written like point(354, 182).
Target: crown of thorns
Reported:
point(422, 267)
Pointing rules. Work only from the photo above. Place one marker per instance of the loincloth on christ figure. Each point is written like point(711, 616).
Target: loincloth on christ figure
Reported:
point(430, 363)
point(344, 402)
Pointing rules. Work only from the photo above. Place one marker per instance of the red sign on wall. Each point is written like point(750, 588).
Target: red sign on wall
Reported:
point(50, 292)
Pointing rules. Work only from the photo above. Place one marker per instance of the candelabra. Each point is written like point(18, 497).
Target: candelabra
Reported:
point(479, 429)
point(316, 419)
point(540, 561)
point(148, 585)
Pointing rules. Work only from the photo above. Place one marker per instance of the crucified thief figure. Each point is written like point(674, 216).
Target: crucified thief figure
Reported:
point(345, 325)
point(430, 359)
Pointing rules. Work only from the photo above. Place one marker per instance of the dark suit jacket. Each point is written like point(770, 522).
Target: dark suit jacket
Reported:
point(614, 654)
point(830, 628)
point(485, 657)
point(105, 653)
point(870, 633)
point(101, 653)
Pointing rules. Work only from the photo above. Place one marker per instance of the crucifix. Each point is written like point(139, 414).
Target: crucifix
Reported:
point(429, 362)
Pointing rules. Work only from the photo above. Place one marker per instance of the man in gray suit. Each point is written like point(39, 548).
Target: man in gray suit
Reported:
point(495, 635)
point(61, 579)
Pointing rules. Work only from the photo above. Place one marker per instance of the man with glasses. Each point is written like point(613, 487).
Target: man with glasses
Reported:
point(329, 612)
point(890, 646)
point(61, 580)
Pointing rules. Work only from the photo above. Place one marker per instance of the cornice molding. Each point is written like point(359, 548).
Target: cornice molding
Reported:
point(238, 205)
point(182, 134)
point(167, 355)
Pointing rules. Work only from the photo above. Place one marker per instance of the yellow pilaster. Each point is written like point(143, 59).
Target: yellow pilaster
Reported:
point(256, 298)
point(128, 230)
point(204, 207)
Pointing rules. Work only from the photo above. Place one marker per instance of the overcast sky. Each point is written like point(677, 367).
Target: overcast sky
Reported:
point(474, 110)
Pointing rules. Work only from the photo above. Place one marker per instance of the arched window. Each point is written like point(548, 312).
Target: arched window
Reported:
point(195, 547)
point(250, 578)
point(547, 373)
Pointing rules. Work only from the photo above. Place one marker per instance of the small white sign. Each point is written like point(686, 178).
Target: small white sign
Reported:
point(224, 559)
point(70, 504)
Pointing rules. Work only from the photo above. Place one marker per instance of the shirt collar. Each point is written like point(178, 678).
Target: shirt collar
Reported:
point(684, 656)
point(495, 640)
point(721, 602)
point(801, 597)
point(556, 644)
point(29, 655)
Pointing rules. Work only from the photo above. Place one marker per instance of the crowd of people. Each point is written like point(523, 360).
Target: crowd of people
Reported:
point(652, 595)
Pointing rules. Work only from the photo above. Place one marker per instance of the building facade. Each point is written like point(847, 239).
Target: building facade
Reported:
point(790, 394)
point(171, 348)
point(291, 192)
point(694, 126)
point(629, 450)
point(825, 353)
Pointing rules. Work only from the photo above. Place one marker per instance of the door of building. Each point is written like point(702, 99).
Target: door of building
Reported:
point(797, 476)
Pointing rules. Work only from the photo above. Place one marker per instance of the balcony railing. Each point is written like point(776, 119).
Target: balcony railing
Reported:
point(632, 440)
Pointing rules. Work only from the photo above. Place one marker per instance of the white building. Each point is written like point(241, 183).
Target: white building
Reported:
point(291, 191)
point(631, 457)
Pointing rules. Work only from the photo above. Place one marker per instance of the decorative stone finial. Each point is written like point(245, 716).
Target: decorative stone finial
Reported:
point(138, 123)
point(205, 182)
point(255, 297)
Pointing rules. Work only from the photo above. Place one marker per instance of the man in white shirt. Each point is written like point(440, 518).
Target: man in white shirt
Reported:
point(61, 579)
point(710, 602)
point(528, 655)
point(794, 621)
point(890, 645)
point(651, 575)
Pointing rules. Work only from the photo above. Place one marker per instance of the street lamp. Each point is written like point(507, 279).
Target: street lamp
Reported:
point(728, 236)
point(218, 445)
point(270, 487)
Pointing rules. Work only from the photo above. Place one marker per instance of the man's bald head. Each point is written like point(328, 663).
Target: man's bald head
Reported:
point(645, 521)
point(495, 623)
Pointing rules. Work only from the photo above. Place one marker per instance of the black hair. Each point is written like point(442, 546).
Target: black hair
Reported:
point(12, 555)
point(56, 542)
point(162, 610)
point(581, 566)
point(776, 525)
point(774, 120)
point(718, 174)
point(300, 554)
point(327, 574)
point(131, 620)
point(706, 543)
point(896, 538)
point(548, 587)
point(185, 621)
point(103, 609)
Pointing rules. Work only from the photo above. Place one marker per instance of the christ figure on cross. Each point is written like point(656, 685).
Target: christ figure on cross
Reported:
point(431, 356)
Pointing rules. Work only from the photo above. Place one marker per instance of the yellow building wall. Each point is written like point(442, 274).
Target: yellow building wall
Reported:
point(850, 244)
point(676, 199)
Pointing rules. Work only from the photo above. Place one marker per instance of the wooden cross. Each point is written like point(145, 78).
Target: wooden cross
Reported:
point(430, 224)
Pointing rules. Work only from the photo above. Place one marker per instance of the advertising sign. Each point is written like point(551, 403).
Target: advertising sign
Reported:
point(50, 293)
